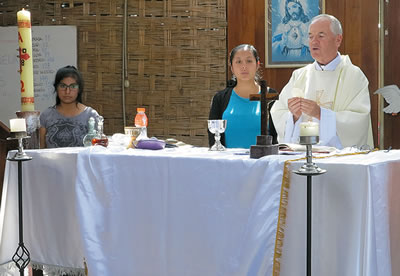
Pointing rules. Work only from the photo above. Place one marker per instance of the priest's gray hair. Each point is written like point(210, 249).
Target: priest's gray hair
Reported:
point(336, 27)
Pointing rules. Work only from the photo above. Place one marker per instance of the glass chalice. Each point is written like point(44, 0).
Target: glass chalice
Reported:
point(217, 127)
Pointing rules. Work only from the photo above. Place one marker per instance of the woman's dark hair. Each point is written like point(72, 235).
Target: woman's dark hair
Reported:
point(245, 47)
point(65, 72)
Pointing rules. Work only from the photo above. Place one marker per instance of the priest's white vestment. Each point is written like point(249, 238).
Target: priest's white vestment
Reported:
point(344, 99)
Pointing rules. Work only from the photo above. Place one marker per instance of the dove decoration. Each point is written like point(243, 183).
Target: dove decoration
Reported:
point(391, 93)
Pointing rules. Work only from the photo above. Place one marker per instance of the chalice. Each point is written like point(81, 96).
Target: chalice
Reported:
point(217, 127)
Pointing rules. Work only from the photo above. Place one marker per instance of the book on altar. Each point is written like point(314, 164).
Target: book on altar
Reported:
point(288, 147)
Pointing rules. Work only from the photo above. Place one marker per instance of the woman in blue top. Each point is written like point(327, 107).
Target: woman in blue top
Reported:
point(233, 104)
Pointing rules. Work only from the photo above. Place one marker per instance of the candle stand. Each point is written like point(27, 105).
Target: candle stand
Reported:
point(21, 256)
point(309, 169)
point(32, 128)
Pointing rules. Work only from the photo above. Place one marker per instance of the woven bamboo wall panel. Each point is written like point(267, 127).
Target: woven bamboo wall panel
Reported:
point(176, 58)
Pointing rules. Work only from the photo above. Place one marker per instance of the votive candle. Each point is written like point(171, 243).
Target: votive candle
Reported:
point(17, 125)
point(309, 129)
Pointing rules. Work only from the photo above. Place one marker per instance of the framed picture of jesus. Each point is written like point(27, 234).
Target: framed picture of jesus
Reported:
point(286, 31)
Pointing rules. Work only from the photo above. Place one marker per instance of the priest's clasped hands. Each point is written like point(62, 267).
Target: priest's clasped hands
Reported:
point(298, 106)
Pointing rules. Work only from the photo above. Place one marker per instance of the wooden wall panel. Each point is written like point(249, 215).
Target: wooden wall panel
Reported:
point(369, 62)
point(360, 23)
point(392, 68)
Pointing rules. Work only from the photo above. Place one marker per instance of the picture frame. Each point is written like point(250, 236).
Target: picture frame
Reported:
point(286, 31)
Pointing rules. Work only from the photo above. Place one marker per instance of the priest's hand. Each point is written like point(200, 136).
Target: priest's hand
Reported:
point(310, 108)
point(294, 106)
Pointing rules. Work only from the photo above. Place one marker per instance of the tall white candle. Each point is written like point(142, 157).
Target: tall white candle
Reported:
point(26, 60)
point(309, 129)
point(17, 125)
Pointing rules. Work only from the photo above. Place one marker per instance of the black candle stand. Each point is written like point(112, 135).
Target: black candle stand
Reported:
point(21, 256)
point(309, 169)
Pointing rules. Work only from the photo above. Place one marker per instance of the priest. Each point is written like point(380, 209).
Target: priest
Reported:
point(331, 91)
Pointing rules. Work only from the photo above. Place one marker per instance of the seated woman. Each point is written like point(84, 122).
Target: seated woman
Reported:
point(66, 123)
point(233, 104)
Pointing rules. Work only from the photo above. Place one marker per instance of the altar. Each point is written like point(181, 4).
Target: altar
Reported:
point(188, 211)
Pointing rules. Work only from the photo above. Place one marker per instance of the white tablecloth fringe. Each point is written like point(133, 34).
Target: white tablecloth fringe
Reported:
point(10, 269)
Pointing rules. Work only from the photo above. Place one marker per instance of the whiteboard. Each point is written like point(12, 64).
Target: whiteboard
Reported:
point(53, 47)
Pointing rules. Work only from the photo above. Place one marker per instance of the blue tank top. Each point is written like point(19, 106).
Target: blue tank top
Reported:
point(243, 122)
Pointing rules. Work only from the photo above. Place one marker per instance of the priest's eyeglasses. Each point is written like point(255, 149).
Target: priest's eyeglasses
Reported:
point(72, 86)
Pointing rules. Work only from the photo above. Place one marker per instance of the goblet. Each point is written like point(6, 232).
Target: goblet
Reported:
point(217, 127)
point(134, 133)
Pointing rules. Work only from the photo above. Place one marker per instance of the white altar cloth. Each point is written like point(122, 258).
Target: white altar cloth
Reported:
point(192, 212)
point(178, 212)
point(356, 217)
point(51, 231)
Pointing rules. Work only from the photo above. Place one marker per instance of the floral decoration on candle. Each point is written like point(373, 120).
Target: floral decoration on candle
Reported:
point(25, 57)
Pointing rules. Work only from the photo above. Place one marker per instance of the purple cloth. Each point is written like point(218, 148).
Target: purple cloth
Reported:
point(152, 144)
